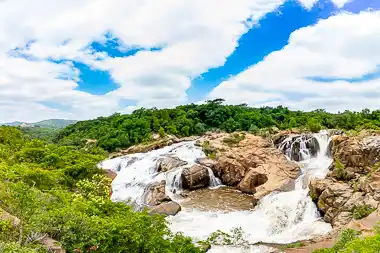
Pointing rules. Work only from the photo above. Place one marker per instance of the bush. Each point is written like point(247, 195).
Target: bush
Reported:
point(346, 236)
point(360, 212)
point(314, 125)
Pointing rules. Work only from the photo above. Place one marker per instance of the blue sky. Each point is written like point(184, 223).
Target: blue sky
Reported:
point(66, 63)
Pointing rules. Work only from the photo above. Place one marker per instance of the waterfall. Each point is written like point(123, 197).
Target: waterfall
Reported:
point(280, 217)
point(136, 172)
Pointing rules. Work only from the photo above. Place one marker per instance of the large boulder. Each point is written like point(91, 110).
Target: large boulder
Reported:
point(251, 180)
point(195, 177)
point(167, 208)
point(168, 163)
point(358, 155)
point(155, 194)
point(337, 200)
point(249, 158)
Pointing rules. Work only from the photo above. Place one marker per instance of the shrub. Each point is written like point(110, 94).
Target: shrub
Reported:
point(314, 125)
point(362, 211)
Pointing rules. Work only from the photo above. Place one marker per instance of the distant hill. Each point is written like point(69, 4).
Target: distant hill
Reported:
point(50, 123)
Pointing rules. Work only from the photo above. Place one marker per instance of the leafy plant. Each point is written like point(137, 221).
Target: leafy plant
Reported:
point(362, 211)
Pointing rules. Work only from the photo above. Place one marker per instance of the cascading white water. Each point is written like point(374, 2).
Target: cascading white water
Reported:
point(136, 172)
point(280, 217)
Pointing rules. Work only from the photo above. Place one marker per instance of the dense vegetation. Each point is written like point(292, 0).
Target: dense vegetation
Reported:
point(120, 131)
point(351, 241)
point(57, 191)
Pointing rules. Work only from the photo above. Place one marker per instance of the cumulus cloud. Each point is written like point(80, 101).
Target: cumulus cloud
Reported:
point(41, 39)
point(322, 66)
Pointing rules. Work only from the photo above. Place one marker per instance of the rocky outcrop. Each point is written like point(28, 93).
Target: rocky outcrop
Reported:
point(356, 154)
point(250, 163)
point(167, 208)
point(353, 182)
point(251, 180)
point(195, 177)
point(168, 163)
point(155, 194)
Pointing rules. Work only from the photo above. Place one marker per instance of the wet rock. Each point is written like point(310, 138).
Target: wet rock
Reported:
point(195, 177)
point(167, 208)
point(168, 163)
point(206, 162)
point(155, 194)
point(255, 201)
point(111, 174)
point(251, 180)
point(253, 154)
point(288, 185)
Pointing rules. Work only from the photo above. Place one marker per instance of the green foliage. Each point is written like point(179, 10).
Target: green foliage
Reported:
point(347, 236)
point(234, 139)
point(339, 170)
point(234, 237)
point(292, 245)
point(58, 191)
point(12, 247)
point(208, 150)
point(314, 125)
point(122, 131)
point(362, 211)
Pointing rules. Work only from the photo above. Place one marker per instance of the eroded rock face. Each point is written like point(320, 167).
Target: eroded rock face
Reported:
point(357, 154)
point(195, 177)
point(252, 163)
point(168, 163)
point(155, 194)
point(167, 208)
point(337, 200)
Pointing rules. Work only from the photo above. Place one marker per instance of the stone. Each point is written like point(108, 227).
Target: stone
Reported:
point(155, 194)
point(195, 177)
point(52, 245)
point(5, 216)
point(169, 163)
point(167, 208)
point(342, 219)
point(251, 180)
point(251, 155)
point(206, 162)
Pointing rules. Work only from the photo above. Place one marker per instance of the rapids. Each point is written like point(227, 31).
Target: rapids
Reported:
point(280, 217)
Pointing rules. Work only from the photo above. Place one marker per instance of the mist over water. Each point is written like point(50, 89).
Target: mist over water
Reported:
point(280, 217)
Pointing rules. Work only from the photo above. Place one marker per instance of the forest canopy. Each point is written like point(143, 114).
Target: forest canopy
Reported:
point(121, 131)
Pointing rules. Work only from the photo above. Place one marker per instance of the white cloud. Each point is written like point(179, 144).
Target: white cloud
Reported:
point(343, 46)
point(195, 35)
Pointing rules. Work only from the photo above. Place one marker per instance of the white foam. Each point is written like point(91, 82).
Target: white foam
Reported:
point(280, 217)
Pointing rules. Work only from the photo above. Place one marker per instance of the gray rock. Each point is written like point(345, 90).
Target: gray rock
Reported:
point(167, 208)
point(195, 177)
point(169, 163)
